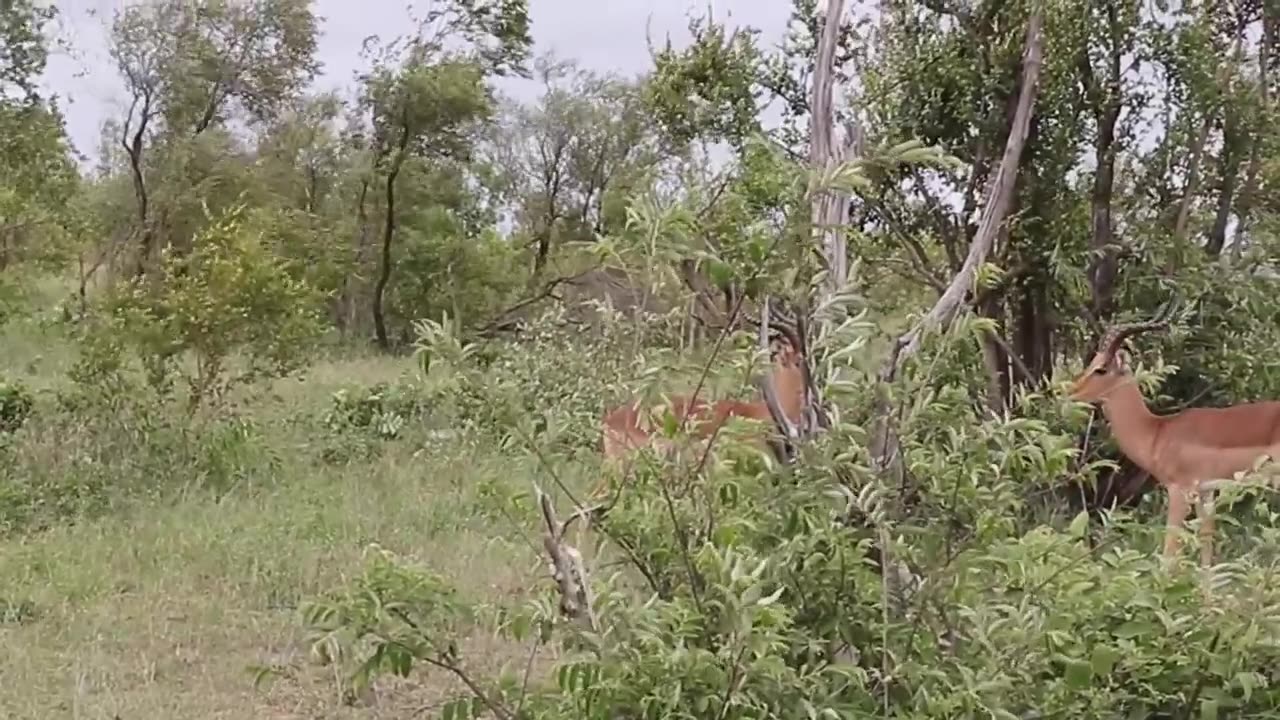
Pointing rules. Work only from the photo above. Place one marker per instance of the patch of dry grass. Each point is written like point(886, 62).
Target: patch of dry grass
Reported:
point(160, 612)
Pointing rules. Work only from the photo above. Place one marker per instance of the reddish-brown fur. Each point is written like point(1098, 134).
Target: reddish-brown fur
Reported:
point(1182, 451)
point(627, 427)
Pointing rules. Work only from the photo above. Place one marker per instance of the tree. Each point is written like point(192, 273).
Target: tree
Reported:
point(566, 158)
point(24, 49)
point(425, 101)
point(38, 175)
point(188, 66)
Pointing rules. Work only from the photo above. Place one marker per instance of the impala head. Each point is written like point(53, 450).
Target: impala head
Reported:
point(1109, 368)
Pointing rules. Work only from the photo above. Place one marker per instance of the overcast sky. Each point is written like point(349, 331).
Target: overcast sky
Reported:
point(605, 35)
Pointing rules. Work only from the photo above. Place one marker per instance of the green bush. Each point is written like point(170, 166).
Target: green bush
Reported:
point(16, 405)
point(828, 591)
point(229, 306)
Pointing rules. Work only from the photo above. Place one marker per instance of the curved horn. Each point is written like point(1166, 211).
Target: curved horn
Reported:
point(1117, 334)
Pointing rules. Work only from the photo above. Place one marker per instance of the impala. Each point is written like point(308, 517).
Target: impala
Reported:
point(628, 428)
point(1187, 452)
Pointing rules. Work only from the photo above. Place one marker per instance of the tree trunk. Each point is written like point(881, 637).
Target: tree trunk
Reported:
point(1193, 178)
point(351, 289)
point(994, 359)
point(1107, 102)
point(1034, 333)
point(1193, 164)
point(541, 254)
point(133, 148)
point(994, 211)
point(388, 235)
point(829, 209)
point(1102, 270)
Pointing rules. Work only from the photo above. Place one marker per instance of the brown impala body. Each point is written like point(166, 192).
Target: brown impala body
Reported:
point(1184, 452)
point(625, 427)
point(629, 427)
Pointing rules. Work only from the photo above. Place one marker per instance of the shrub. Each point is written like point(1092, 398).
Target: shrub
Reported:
point(229, 299)
point(16, 405)
point(828, 591)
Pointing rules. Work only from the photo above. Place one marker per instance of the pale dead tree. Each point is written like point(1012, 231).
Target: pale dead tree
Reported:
point(994, 211)
point(829, 207)
point(999, 198)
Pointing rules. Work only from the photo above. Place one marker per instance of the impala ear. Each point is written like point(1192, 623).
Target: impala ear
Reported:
point(1122, 359)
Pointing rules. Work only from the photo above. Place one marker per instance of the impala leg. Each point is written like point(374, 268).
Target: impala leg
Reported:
point(1178, 508)
point(1206, 512)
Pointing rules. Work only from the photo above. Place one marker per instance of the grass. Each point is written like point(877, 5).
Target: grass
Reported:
point(161, 608)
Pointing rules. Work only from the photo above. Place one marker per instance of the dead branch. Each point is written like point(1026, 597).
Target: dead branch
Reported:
point(504, 321)
point(567, 567)
point(999, 199)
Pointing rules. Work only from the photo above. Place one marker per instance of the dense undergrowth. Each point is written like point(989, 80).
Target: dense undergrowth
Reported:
point(216, 499)
point(740, 591)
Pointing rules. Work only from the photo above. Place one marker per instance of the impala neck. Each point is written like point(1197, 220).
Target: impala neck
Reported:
point(1133, 425)
point(788, 381)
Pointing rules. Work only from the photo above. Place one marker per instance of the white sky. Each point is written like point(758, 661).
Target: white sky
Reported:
point(606, 35)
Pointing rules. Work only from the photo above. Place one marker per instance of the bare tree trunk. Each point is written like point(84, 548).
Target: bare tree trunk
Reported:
point(994, 359)
point(133, 148)
point(1102, 270)
point(1193, 164)
point(1193, 178)
point(996, 207)
point(388, 236)
point(884, 442)
point(348, 319)
point(1229, 162)
point(829, 209)
point(1034, 334)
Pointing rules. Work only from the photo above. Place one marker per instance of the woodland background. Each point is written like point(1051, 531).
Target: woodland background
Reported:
point(283, 376)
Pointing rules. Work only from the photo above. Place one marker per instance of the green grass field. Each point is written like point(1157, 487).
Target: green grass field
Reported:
point(162, 608)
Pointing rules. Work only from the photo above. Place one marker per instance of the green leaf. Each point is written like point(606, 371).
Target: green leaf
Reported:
point(1247, 682)
point(1079, 674)
point(1103, 659)
point(1080, 524)
point(720, 273)
point(670, 425)
point(1136, 628)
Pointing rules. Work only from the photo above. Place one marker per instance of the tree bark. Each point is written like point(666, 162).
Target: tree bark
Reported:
point(829, 209)
point(994, 211)
point(1107, 103)
point(884, 441)
point(1228, 163)
point(133, 145)
point(1193, 164)
point(351, 290)
point(388, 236)
point(994, 358)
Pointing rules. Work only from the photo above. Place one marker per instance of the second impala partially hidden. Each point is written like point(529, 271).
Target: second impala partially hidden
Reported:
point(628, 427)
point(1182, 451)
